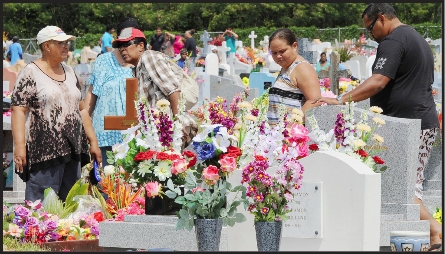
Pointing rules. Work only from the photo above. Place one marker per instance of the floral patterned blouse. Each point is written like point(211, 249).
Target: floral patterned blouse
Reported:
point(54, 131)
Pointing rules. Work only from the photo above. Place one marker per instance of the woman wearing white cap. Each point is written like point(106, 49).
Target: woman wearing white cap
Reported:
point(49, 127)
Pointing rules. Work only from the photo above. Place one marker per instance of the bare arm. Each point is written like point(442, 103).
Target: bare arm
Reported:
point(18, 119)
point(368, 88)
point(306, 78)
point(91, 135)
point(174, 101)
point(234, 35)
point(90, 101)
point(109, 49)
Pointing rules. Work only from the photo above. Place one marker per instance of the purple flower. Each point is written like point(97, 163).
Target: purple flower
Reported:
point(51, 225)
point(264, 210)
point(95, 229)
point(259, 197)
point(251, 207)
point(251, 190)
point(22, 211)
point(31, 221)
point(339, 128)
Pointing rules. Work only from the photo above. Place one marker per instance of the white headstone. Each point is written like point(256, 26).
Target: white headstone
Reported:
point(231, 62)
point(266, 44)
point(212, 64)
point(252, 37)
point(348, 198)
point(239, 46)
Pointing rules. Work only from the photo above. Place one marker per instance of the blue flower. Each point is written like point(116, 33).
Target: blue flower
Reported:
point(206, 151)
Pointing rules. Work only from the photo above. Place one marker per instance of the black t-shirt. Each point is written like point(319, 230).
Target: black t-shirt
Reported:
point(190, 45)
point(406, 58)
point(156, 42)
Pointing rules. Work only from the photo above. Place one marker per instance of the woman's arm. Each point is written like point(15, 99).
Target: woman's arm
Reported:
point(18, 119)
point(174, 101)
point(91, 135)
point(90, 101)
point(305, 77)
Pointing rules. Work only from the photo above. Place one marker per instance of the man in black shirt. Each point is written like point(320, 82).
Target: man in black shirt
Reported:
point(157, 40)
point(401, 80)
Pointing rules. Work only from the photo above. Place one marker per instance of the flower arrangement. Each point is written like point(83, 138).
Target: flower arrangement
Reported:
point(355, 139)
point(325, 84)
point(7, 94)
point(216, 41)
point(32, 223)
point(269, 195)
point(193, 74)
point(151, 151)
point(200, 62)
point(438, 215)
point(6, 164)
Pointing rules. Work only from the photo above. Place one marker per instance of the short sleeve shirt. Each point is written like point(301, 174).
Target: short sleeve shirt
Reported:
point(158, 76)
point(54, 131)
point(107, 39)
point(406, 58)
point(230, 42)
point(109, 80)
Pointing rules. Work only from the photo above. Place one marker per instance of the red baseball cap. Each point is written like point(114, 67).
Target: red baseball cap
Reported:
point(128, 34)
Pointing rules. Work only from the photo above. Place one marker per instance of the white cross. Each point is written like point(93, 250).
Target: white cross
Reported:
point(223, 50)
point(205, 38)
point(252, 37)
point(266, 43)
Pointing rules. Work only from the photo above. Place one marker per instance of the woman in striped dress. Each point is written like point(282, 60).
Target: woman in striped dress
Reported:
point(297, 84)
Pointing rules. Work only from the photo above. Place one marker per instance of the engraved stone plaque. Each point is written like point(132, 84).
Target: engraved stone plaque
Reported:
point(306, 218)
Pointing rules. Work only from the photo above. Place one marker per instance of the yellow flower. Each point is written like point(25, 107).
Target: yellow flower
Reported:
point(298, 112)
point(378, 120)
point(250, 117)
point(359, 143)
point(155, 112)
point(297, 118)
point(378, 138)
point(376, 109)
point(163, 105)
point(363, 127)
point(245, 105)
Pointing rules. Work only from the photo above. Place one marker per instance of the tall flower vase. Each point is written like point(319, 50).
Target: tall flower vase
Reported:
point(208, 234)
point(268, 235)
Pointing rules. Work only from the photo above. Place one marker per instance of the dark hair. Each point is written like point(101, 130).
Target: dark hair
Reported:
point(183, 51)
point(322, 53)
point(9, 55)
point(109, 27)
point(158, 28)
point(15, 39)
point(10, 37)
point(192, 31)
point(139, 40)
point(126, 22)
point(373, 10)
point(284, 34)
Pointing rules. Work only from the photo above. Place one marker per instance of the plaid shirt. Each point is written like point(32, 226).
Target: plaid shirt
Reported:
point(157, 76)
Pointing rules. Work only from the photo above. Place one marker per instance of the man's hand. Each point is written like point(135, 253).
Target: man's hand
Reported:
point(329, 101)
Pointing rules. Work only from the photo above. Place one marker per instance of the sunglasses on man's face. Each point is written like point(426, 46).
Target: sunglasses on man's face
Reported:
point(126, 44)
point(371, 27)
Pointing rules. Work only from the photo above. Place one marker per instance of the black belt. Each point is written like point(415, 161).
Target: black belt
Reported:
point(287, 94)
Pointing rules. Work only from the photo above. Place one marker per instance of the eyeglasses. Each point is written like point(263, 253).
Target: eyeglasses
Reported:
point(63, 43)
point(370, 27)
point(126, 44)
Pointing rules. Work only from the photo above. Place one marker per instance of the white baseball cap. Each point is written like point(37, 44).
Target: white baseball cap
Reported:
point(52, 33)
point(212, 47)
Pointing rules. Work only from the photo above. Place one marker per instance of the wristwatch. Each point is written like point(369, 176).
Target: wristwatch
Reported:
point(339, 99)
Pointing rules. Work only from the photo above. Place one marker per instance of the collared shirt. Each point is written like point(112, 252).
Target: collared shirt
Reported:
point(158, 76)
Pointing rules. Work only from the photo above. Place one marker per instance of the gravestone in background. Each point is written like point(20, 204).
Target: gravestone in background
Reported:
point(205, 38)
point(252, 37)
point(211, 61)
point(400, 151)
point(305, 50)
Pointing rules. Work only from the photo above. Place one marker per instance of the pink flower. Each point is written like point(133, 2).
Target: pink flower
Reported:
point(228, 164)
point(14, 230)
point(179, 166)
point(197, 189)
point(300, 133)
point(288, 196)
point(153, 189)
point(264, 210)
point(303, 150)
point(210, 174)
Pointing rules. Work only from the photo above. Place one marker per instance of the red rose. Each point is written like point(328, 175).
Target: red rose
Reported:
point(173, 157)
point(362, 153)
point(98, 216)
point(234, 150)
point(313, 147)
point(223, 155)
point(144, 155)
point(260, 158)
point(162, 156)
point(378, 160)
point(190, 154)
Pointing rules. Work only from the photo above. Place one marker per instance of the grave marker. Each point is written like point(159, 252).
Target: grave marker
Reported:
point(252, 37)
point(205, 38)
point(125, 122)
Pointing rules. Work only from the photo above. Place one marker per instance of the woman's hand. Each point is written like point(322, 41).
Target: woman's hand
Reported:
point(20, 158)
point(327, 100)
point(95, 153)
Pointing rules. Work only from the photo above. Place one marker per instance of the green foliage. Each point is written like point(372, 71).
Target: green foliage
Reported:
point(207, 204)
point(345, 54)
point(14, 244)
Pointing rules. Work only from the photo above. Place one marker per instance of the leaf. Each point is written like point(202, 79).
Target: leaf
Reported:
point(78, 189)
point(183, 214)
point(171, 194)
point(170, 184)
point(179, 224)
point(223, 212)
point(231, 222)
point(383, 168)
point(190, 197)
point(190, 224)
point(239, 217)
